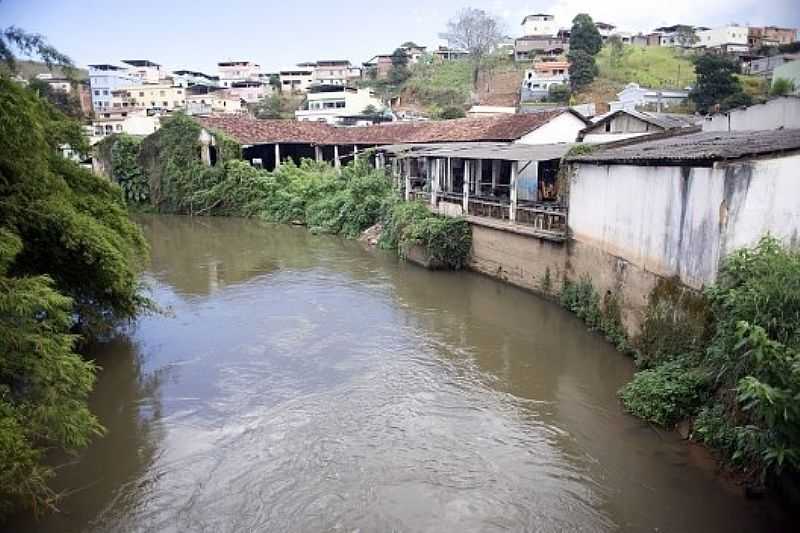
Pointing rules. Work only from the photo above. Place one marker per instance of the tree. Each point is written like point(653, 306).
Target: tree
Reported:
point(716, 84)
point(475, 31)
point(781, 87)
point(686, 36)
point(399, 71)
point(558, 93)
point(584, 35)
point(582, 69)
point(30, 44)
point(66, 102)
point(275, 106)
point(617, 50)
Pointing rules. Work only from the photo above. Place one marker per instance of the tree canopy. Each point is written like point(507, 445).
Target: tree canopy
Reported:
point(475, 31)
point(716, 84)
point(584, 35)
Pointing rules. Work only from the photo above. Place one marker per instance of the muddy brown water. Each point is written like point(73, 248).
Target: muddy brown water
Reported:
point(304, 383)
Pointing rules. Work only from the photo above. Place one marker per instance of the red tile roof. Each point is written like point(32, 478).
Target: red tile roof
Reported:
point(497, 128)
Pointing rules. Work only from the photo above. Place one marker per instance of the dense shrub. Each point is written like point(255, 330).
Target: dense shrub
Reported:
point(665, 394)
point(126, 172)
point(581, 298)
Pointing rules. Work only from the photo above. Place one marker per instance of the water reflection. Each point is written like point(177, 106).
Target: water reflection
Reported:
point(304, 383)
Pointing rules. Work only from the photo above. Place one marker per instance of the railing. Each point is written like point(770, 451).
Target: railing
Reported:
point(452, 197)
point(544, 216)
point(489, 208)
point(421, 196)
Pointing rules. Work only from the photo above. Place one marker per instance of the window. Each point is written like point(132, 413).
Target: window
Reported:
point(160, 93)
point(118, 127)
point(608, 127)
point(141, 93)
point(179, 91)
point(166, 104)
point(105, 93)
point(98, 130)
point(97, 93)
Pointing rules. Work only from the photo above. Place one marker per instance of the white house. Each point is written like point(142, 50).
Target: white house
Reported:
point(560, 126)
point(131, 121)
point(540, 24)
point(331, 104)
point(634, 96)
point(144, 70)
point(676, 207)
point(626, 124)
point(250, 91)
point(188, 78)
point(296, 81)
point(236, 71)
point(731, 38)
point(335, 72)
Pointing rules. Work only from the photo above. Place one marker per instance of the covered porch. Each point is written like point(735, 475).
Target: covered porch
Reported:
point(514, 184)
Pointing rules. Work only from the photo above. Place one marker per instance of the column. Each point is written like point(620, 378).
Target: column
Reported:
point(408, 188)
point(318, 153)
point(336, 162)
point(467, 176)
point(512, 210)
point(277, 155)
point(437, 171)
point(478, 177)
point(495, 173)
point(355, 152)
point(449, 186)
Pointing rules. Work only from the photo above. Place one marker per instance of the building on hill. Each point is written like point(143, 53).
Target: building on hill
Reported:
point(155, 97)
point(250, 91)
point(296, 81)
point(445, 53)
point(188, 78)
point(788, 71)
point(623, 124)
point(118, 120)
point(762, 36)
point(605, 29)
point(333, 103)
point(377, 67)
point(673, 36)
point(414, 52)
point(105, 78)
point(144, 70)
point(731, 39)
point(778, 113)
point(335, 72)
point(231, 72)
point(206, 100)
point(540, 24)
point(528, 47)
point(764, 66)
point(633, 97)
point(537, 81)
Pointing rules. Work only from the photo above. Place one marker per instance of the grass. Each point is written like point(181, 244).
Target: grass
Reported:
point(649, 66)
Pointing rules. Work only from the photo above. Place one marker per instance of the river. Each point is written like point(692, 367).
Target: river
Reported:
point(304, 383)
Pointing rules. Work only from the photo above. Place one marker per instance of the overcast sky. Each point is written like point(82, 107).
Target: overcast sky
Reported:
point(195, 34)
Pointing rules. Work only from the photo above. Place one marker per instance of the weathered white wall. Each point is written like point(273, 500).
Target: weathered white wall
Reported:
point(675, 221)
point(598, 138)
point(562, 129)
point(781, 112)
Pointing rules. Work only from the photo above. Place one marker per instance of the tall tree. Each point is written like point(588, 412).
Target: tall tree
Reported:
point(31, 44)
point(584, 35)
point(582, 69)
point(399, 72)
point(716, 84)
point(475, 31)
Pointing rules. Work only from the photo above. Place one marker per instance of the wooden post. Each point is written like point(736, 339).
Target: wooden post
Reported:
point(277, 155)
point(449, 186)
point(512, 209)
point(495, 173)
point(355, 152)
point(336, 162)
point(318, 153)
point(478, 177)
point(408, 188)
point(437, 165)
point(465, 188)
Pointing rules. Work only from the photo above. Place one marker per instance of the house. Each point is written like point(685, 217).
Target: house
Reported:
point(164, 97)
point(445, 53)
point(188, 78)
point(378, 67)
point(414, 52)
point(672, 36)
point(675, 207)
point(728, 39)
point(605, 29)
point(144, 70)
point(633, 96)
point(331, 103)
point(334, 72)
point(788, 71)
point(296, 81)
point(250, 91)
point(761, 36)
point(528, 47)
point(764, 66)
point(105, 78)
point(624, 124)
point(778, 113)
point(540, 24)
point(118, 120)
point(56, 83)
point(236, 71)
point(478, 111)
point(537, 81)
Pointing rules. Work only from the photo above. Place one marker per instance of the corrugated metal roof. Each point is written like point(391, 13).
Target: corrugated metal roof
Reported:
point(478, 150)
point(705, 147)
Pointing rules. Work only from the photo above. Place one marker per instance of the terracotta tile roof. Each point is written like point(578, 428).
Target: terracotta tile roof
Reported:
point(498, 128)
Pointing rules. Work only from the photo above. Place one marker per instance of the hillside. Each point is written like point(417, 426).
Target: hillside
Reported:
point(29, 69)
point(649, 66)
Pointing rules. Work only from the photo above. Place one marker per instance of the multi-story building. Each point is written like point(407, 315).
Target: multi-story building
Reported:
point(335, 72)
point(331, 104)
point(729, 39)
point(414, 52)
point(770, 36)
point(188, 78)
point(540, 24)
point(131, 121)
point(378, 67)
point(144, 70)
point(296, 81)
point(250, 91)
point(162, 96)
point(105, 78)
point(537, 81)
point(236, 71)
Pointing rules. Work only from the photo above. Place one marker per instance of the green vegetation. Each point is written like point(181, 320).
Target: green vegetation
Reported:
point(446, 240)
point(727, 358)
point(717, 84)
point(649, 66)
point(584, 45)
point(439, 85)
point(69, 264)
point(781, 87)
